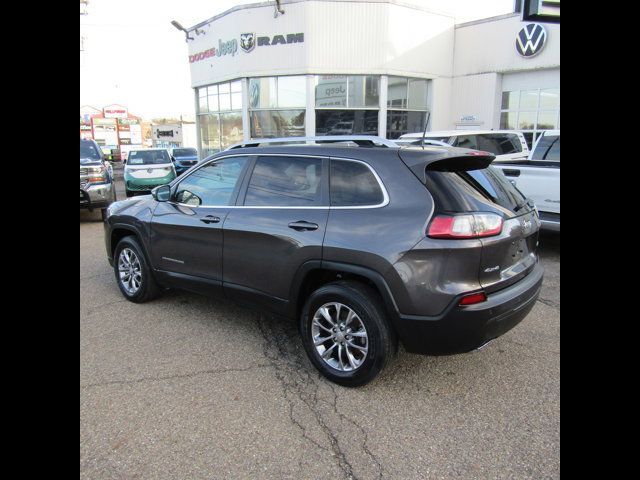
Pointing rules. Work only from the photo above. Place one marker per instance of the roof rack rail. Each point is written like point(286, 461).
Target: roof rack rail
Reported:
point(359, 140)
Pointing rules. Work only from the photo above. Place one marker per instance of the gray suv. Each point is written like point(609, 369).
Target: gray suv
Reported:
point(365, 244)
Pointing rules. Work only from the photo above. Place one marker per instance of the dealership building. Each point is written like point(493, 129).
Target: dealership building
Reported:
point(375, 67)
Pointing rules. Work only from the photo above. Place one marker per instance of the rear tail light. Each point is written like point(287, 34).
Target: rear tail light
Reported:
point(473, 299)
point(473, 225)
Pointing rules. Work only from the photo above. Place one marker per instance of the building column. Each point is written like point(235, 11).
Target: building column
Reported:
point(382, 113)
point(246, 127)
point(198, 135)
point(310, 112)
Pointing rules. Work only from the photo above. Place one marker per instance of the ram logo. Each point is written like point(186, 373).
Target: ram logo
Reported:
point(247, 41)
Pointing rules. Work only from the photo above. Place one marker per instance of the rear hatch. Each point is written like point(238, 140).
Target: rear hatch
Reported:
point(461, 181)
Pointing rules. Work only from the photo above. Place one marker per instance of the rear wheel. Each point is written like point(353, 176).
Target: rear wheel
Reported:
point(345, 333)
point(133, 273)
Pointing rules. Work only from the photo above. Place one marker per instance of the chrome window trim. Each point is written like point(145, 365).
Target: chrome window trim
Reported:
point(385, 194)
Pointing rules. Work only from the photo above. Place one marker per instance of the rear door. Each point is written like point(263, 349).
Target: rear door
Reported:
point(278, 225)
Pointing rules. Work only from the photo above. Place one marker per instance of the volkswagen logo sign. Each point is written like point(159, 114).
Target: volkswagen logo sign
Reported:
point(530, 40)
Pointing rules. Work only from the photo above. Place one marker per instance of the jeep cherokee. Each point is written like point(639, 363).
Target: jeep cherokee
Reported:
point(365, 244)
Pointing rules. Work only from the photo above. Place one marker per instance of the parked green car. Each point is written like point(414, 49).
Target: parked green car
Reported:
point(147, 169)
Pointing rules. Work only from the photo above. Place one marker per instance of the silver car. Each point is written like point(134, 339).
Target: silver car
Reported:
point(97, 190)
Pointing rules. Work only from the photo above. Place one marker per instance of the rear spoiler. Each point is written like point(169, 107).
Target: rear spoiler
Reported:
point(451, 159)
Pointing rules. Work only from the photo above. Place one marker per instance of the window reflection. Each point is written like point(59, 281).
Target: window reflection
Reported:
point(277, 123)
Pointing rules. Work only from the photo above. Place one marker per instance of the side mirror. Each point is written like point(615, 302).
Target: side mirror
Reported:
point(161, 193)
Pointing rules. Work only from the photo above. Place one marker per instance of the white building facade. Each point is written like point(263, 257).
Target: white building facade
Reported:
point(334, 67)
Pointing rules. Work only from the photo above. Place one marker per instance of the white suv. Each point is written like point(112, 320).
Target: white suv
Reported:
point(504, 144)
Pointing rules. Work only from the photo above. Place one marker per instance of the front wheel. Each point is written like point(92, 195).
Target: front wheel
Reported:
point(345, 333)
point(133, 273)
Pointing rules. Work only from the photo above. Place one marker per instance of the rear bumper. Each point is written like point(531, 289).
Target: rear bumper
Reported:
point(462, 329)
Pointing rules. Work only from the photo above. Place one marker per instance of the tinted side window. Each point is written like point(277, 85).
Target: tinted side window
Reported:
point(499, 143)
point(211, 185)
point(548, 148)
point(466, 141)
point(285, 182)
point(353, 184)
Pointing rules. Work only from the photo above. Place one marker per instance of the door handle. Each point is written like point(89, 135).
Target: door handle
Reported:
point(302, 225)
point(511, 172)
point(210, 219)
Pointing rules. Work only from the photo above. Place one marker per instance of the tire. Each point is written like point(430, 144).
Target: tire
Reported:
point(129, 193)
point(366, 304)
point(147, 289)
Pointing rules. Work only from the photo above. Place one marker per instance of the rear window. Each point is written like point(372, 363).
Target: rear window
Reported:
point(465, 191)
point(285, 181)
point(353, 184)
point(148, 157)
point(493, 182)
point(548, 148)
point(499, 143)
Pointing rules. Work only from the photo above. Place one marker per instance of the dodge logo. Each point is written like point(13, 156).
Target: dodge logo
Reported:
point(247, 41)
point(530, 40)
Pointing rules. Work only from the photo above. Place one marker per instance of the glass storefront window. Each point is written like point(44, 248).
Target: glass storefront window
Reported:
point(292, 92)
point(550, 98)
point(225, 101)
point(526, 120)
point(277, 123)
point(417, 96)
point(546, 120)
point(202, 104)
point(531, 110)
point(363, 91)
point(400, 122)
point(346, 122)
point(219, 130)
point(262, 93)
point(209, 134)
point(397, 92)
point(510, 100)
point(230, 128)
point(508, 120)
point(331, 91)
point(529, 99)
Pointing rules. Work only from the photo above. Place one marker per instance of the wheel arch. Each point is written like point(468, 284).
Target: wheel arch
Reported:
point(313, 274)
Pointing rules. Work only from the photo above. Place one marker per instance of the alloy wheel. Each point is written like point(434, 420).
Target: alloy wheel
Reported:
point(130, 271)
point(339, 337)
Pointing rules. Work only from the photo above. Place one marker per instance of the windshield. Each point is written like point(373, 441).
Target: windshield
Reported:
point(148, 157)
point(185, 152)
point(88, 150)
point(548, 148)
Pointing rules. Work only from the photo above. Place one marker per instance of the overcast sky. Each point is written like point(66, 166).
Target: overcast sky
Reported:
point(133, 56)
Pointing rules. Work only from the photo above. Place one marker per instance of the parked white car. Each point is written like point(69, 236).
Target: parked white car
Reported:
point(538, 177)
point(506, 145)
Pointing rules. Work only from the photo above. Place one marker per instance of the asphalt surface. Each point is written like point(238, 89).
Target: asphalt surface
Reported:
point(189, 387)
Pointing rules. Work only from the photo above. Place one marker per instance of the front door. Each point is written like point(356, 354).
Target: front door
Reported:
point(186, 232)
